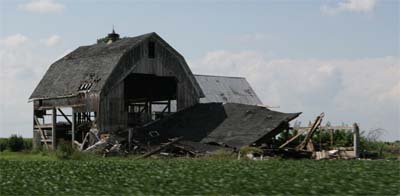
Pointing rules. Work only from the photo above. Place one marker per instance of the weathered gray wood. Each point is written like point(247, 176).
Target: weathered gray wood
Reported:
point(53, 129)
point(173, 141)
point(43, 136)
point(292, 139)
point(356, 140)
point(310, 133)
point(84, 141)
point(65, 116)
point(73, 126)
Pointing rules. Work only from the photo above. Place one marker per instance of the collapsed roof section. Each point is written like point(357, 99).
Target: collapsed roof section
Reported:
point(230, 124)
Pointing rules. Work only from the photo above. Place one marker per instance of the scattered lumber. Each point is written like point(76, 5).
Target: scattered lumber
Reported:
point(310, 133)
point(160, 148)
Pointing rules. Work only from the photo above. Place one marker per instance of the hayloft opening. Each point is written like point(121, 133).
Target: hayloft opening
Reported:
point(148, 97)
point(152, 50)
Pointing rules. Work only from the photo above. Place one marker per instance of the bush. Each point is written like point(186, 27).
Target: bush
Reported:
point(16, 143)
point(3, 144)
point(28, 144)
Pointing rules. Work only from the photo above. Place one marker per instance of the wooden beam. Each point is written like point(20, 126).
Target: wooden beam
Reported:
point(65, 116)
point(43, 136)
point(73, 126)
point(293, 138)
point(173, 141)
point(311, 132)
point(356, 140)
point(86, 116)
point(53, 129)
point(169, 106)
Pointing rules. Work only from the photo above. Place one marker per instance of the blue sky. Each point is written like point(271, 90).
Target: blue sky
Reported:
point(338, 57)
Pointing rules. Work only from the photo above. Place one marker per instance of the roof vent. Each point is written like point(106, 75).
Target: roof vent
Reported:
point(111, 37)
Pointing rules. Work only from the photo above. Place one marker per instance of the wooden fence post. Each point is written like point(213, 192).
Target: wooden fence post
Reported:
point(356, 140)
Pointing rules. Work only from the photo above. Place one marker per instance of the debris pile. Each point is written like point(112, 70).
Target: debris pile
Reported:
point(207, 128)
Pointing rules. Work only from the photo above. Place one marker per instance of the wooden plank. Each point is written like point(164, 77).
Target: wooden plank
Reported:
point(73, 126)
point(326, 128)
point(173, 141)
point(41, 133)
point(310, 133)
point(53, 129)
point(65, 116)
point(293, 138)
point(356, 140)
point(84, 141)
point(44, 126)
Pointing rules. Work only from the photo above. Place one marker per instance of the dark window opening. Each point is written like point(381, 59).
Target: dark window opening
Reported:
point(152, 48)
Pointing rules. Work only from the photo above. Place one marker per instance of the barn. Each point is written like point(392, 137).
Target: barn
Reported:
point(119, 83)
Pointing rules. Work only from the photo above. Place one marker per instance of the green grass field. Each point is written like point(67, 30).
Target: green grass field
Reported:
point(43, 175)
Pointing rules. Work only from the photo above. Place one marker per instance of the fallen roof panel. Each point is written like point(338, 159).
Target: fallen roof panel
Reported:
point(232, 124)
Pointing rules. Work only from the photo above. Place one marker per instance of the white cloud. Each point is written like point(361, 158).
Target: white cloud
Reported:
point(51, 41)
point(359, 90)
point(15, 40)
point(21, 68)
point(42, 6)
point(359, 6)
point(251, 37)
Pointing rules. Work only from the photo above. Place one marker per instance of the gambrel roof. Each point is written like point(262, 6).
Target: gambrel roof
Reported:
point(89, 67)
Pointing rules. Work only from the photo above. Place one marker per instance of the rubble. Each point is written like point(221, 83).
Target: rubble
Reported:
point(208, 128)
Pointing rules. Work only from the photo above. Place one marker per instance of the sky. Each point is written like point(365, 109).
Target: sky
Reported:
point(340, 57)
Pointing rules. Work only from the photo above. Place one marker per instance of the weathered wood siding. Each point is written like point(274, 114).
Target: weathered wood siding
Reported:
point(166, 63)
point(113, 113)
point(84, 102)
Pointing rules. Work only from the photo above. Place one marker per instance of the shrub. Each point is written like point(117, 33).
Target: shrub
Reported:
point(3, 144)
point(16, 143)
point(27, 144)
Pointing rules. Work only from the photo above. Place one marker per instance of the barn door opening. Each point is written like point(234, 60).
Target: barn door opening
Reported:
point(149, 97)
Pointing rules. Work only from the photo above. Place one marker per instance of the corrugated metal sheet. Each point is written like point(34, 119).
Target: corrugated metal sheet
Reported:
point(225, 89)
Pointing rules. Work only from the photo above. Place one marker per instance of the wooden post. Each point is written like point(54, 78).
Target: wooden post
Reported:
point(53, 128)
point(356, 140)
point(35, 139)
point(73, 126)
point(169, 106)
point(129, 138)
point(150, 111)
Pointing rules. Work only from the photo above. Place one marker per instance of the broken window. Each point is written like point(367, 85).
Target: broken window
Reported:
point(152, 48)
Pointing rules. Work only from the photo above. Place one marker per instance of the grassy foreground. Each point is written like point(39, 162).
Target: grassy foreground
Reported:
point(47, 176)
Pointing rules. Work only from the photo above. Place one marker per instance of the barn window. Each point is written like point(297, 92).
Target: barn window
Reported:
point(152, 48)
point(85, 86)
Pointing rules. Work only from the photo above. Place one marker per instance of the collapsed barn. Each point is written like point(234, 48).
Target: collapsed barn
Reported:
point(142, 88)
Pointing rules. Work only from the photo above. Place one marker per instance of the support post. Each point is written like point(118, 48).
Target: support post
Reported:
point(53, 128)
point(356, 140)
point(169, 106)
point(129, 138)
point(73, 126)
